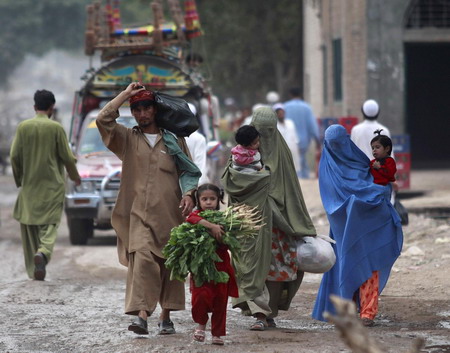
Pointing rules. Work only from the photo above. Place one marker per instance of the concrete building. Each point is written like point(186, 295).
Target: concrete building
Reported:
point(396, 52)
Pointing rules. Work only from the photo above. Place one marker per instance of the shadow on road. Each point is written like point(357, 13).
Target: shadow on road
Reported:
point(102, 240)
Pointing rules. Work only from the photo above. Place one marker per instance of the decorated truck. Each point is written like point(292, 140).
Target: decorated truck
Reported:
point(159, 56)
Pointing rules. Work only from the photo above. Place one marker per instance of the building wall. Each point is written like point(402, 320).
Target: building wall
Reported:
point(372, 57)
point(345, 20)
point(385, 60)
point(355, 57)
point(375, 47)
point(312, 41)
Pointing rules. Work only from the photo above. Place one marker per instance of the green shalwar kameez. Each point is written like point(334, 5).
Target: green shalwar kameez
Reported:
point(276, 192)
point(39, 153)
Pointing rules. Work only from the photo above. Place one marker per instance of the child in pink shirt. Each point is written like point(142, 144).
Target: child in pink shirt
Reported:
point(245, 156)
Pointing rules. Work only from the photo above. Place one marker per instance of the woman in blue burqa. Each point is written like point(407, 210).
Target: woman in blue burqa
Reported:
point(266, 267)
point(363, 223)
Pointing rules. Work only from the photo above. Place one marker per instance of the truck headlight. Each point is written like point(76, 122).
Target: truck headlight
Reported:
point(85, 187)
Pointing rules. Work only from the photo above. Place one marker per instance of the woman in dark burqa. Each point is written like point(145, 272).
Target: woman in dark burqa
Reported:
point(363, 223)
point(267, 268)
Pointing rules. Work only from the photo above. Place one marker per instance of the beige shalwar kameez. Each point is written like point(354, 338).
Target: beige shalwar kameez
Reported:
point(147, 208)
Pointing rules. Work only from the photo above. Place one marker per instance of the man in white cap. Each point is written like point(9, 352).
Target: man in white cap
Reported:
point(287, 130)
point(363, 132)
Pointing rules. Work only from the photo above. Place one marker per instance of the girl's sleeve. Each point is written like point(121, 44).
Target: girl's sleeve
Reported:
point(389, 169)
point(193, 218)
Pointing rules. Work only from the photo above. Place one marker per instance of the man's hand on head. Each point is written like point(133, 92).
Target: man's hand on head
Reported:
point(133, 88)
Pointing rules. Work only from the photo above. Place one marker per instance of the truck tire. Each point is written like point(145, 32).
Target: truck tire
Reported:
point(80, 230)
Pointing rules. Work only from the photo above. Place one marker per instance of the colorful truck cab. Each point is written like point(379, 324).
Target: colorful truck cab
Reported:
point(152, 55)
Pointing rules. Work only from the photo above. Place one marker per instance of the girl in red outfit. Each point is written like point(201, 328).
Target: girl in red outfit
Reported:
point(211, 297)
point(383, 169)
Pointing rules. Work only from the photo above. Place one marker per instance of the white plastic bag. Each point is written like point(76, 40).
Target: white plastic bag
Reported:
point(315, 254)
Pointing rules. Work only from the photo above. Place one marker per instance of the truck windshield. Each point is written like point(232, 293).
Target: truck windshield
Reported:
point(91, 141)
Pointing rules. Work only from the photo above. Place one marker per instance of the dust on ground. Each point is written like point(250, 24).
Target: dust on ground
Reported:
point(79, 307)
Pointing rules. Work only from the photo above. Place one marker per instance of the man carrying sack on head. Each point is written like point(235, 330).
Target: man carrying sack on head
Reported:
point(157, 182)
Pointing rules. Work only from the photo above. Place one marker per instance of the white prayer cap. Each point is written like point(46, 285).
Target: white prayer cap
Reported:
point(192, 108)
point(272, 97)
point(370, 108)
point(278, 106)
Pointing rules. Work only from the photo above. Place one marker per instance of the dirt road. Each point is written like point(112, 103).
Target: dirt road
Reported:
point(79, 307)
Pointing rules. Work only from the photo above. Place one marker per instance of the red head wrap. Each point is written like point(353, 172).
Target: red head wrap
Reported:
point(142, 96)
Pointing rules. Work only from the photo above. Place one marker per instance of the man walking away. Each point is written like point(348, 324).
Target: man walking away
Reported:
point(39, 153)
point(306, 126)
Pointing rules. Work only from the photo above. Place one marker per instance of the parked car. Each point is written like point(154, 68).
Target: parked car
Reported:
point(89, 206)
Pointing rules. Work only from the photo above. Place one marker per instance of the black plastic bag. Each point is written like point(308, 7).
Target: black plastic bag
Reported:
point(402, 211)
point(173, 114)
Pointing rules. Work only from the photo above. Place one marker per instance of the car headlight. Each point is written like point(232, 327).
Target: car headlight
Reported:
point(86, 187)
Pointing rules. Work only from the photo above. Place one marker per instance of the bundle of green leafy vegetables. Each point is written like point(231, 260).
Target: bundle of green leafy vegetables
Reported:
point(191, 249)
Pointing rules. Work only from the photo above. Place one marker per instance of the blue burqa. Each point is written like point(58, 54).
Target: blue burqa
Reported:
point(363, 223)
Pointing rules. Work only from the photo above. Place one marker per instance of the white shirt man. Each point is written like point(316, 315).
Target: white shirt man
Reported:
point(287, 130)
point(197, 146)
point(363, 132)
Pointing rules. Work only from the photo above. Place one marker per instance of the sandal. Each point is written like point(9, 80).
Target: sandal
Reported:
point(271, 322)
point(199, 335)
point(367, 322)
point(217, 341)
point(139, 326)
point(259, 325)
point(166, 327)
point(39, 266)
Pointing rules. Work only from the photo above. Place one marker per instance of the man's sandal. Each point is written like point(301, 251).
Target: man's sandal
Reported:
point(258, 325)
point(139, 326)
point(217, 341)
point(271, 322)
point(199, 335)
point(166, 327)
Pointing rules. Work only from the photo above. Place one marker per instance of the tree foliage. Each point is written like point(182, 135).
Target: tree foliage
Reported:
point(30, 26)
point(252, 46)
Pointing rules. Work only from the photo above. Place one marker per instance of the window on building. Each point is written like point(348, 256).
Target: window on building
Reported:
point(337, 69)
point(428, 13)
